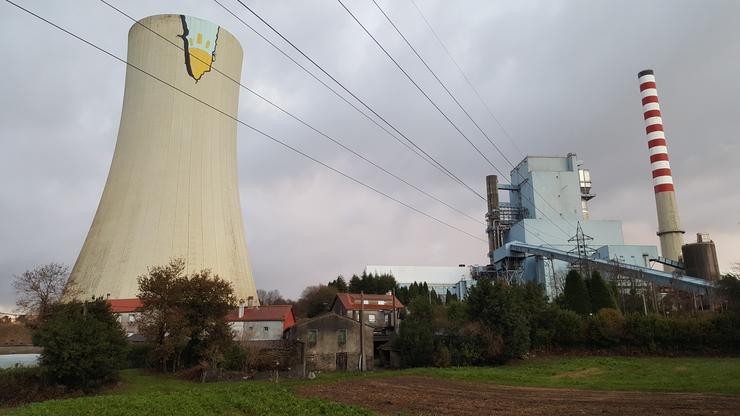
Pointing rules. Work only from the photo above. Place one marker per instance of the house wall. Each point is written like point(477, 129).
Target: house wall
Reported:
point(376, 319)
point(128, 321)
point(323, 354)
point(255, 330)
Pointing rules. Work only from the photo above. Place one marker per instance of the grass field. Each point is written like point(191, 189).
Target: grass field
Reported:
point(143, 394)
point(698, 375)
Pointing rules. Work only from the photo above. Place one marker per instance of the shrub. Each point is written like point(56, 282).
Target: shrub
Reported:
point(23, 385)
point(84, 346)
point(139, 356)
point(567, 328)
point(442, 356)
point(606, 328)
point(639, 331)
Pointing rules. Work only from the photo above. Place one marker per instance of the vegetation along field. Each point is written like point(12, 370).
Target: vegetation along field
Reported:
point(709, 384)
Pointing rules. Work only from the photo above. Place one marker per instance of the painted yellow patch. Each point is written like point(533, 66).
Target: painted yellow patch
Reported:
point(200, 62)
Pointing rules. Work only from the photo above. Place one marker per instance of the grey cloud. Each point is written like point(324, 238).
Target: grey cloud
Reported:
point(561, 76)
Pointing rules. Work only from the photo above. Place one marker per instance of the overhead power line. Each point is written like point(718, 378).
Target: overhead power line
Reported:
point(421, 90)
point(445, 169)
point(298, 119)
point(276, 140)
point(454, 99)
point(467, 80)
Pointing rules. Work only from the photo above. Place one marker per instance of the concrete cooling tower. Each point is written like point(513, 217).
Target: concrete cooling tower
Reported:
point(172, 186)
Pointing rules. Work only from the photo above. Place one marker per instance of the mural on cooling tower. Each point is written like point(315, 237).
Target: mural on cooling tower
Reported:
point(200, 39)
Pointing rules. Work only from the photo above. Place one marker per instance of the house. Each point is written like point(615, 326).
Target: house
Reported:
point(379, 311)
point(248, 323)
point(332, 342)
point(261, 323)
point(126, 312)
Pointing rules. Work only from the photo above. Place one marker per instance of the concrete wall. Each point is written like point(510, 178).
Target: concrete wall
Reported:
point(172, 186)
point(323, 354)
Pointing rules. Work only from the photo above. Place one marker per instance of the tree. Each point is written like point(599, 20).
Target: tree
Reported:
point(185, 316)
point(372, 283)
point(39, 289)
point(415, 340)
point(273, 297)
point(339, 284)
point(498, 307)
point(314, 301)
point(575, 295)
point(83, 344)
point(599, 293)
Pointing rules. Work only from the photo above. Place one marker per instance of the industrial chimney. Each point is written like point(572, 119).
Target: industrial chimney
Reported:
point(669, 224)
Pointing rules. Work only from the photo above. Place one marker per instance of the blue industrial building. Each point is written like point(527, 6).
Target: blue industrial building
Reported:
point(548, 199)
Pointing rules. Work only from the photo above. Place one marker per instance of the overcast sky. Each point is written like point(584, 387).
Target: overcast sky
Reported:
point(561, 76)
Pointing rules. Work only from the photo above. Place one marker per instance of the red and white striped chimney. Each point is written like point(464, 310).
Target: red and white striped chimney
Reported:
point(669, 224)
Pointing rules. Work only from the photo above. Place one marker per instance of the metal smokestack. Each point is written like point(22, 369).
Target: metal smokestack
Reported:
point(669, 224)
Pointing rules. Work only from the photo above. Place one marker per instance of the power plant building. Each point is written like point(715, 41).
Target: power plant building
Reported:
point(547, 204)
point(172, 187)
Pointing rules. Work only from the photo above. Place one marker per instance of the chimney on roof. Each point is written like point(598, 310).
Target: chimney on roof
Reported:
point(241, 309)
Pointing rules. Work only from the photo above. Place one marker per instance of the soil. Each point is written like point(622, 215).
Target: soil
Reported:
point(414, 395)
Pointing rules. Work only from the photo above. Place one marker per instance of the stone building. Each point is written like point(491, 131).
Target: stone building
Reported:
point(332, 342)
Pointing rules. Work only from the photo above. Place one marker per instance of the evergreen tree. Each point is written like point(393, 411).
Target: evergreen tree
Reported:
point(498, 307)
point(415, 340)
point(339, 284)
point(575, 294)
point(599, 293)
point(84, 345)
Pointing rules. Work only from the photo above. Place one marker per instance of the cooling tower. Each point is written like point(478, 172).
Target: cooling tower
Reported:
point(669, 224)
point(172, 186)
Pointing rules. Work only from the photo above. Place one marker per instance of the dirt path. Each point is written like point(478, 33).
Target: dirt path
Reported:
point(432, 396)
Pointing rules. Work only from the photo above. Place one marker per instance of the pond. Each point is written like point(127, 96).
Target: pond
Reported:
point(9, 360)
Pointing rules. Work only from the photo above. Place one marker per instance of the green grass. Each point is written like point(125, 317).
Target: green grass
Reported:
point(144, 394)
point(699, 375)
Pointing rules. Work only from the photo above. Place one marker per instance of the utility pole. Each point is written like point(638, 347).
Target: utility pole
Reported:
point(362, 331)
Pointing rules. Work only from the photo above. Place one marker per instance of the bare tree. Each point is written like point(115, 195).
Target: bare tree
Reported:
point(40, 288)
point(272, 297)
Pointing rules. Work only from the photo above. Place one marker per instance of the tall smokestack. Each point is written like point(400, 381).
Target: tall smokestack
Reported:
point(669, 224)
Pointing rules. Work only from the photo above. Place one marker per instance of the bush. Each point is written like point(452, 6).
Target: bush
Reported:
point(442, 356)
point(606, 328)
point(84, 345)
point(639, 331)
point(20, 385)
point(567, 328)
point(139, 356)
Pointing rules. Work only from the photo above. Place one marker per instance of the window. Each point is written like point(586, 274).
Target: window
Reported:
point(371, 318)
point(313, 335)
point(342, 337)
point(266, 329)
point(131, 318)
point(365, 302)
point(381, 302)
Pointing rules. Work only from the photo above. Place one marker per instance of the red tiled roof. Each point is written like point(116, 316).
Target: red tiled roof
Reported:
point(124, 305)
point(351, 301)
point(263, 313)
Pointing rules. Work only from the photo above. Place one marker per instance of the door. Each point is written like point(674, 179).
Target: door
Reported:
point(341, 361)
